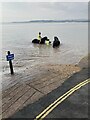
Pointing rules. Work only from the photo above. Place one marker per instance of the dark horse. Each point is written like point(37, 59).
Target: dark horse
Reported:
point(42, 40)
point(56, 42)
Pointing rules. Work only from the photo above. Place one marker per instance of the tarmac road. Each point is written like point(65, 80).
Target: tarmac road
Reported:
point(75, 106)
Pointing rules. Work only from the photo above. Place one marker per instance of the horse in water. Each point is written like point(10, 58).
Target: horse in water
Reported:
point(56, 42)
point(42, 40)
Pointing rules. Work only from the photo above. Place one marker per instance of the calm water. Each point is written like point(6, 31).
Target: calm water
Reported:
point(17, 38)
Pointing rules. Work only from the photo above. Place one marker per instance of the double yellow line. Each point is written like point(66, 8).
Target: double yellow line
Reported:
point(43, 114)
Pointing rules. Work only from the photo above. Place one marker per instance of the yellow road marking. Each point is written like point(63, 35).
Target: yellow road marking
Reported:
point(60, 99)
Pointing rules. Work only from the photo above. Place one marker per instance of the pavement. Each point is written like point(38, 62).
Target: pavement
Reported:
point(26, 88)
point(75, 106)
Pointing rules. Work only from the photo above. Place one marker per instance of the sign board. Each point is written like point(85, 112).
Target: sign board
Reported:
point(10, 57)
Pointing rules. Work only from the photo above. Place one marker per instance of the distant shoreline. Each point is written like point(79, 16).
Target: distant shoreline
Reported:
point(48, 21)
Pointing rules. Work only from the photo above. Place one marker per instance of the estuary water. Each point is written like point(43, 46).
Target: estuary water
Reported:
point(17, 38)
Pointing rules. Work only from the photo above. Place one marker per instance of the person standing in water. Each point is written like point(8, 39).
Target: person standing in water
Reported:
point(47, 42)
point(39, 37)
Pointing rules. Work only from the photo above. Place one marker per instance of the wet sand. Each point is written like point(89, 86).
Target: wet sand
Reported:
point(20, 90)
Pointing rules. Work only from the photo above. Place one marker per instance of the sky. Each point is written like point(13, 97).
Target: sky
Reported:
point(24, 11)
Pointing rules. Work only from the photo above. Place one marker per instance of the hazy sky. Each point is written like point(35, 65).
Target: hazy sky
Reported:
point(19, 11)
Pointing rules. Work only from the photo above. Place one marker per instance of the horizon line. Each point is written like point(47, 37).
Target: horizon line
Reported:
point(48, 20)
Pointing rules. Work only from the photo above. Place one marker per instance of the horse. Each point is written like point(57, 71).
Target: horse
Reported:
point(42, 40)
point(56, 42)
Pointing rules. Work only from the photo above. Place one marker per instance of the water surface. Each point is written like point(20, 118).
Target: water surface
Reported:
point(17, 38)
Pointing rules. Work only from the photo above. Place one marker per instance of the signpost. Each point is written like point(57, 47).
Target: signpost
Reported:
point(9, 58)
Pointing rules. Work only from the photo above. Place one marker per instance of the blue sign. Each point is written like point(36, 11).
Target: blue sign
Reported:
point(10, 57)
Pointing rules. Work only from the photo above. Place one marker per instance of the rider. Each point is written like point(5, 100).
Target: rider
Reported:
point(39, 37)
